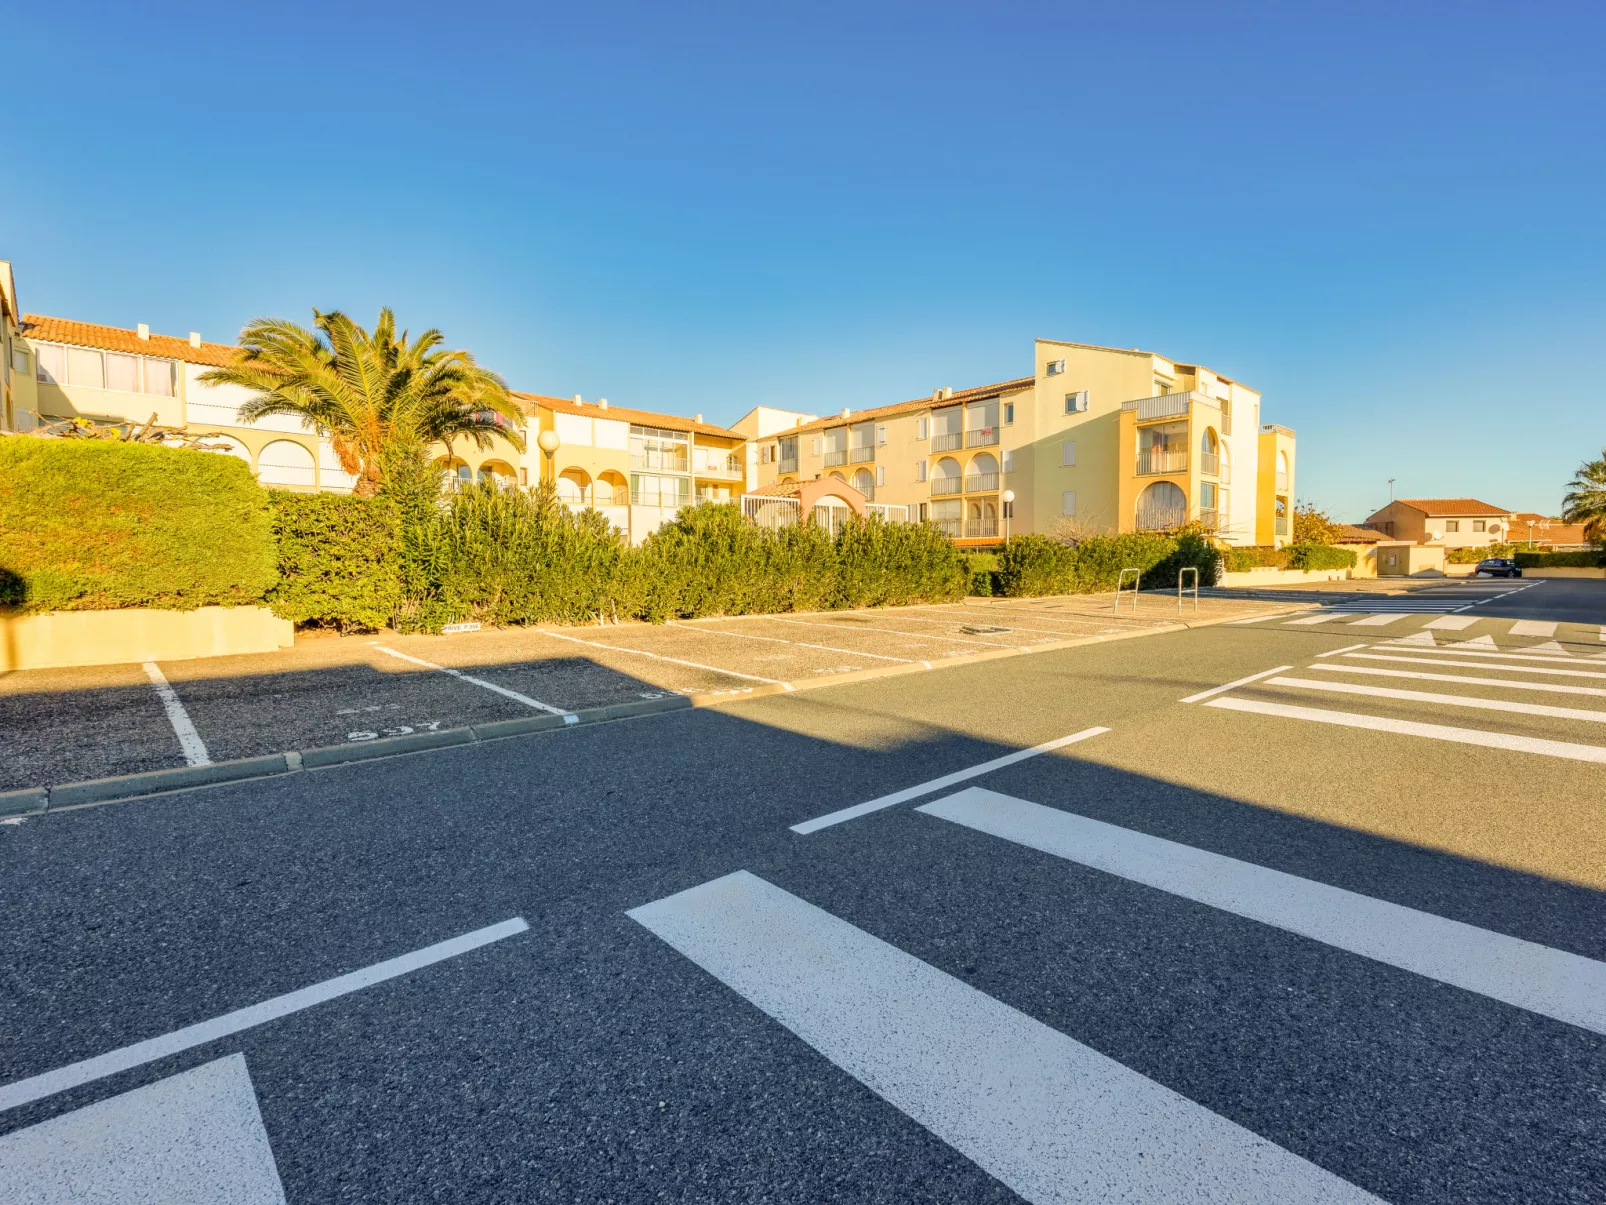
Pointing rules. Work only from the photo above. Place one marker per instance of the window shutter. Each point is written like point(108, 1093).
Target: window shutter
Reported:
point(1068, 502)
point(920, 470)
point(816, 445)
point(1009, 460)
point(922, 426)
point(881, 474)
point(1068, 454)
point(881, 434)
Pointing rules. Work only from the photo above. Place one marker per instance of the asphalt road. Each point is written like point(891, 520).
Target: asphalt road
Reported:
point(1282, 942)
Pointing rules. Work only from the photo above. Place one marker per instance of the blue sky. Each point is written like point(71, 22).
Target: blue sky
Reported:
point(1386, 217)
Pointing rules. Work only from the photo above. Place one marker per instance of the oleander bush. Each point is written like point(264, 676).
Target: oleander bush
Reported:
point(103, 524)
point(339, 560)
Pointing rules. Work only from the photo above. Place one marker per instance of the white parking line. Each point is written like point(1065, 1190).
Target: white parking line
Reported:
point(1426, 696)
point(1553, 983)
point(937, 784)
point(568, 716)
point(1504, 683)
point(37, 1087)
point(924, 637)
point(1485, 666)
point(798, 643)
point(1052, 1119)
point(1216, 690)
point(613, 648)
point(189, 740)
point(1452, 623)
point(1436, 732)
point(1346, 649)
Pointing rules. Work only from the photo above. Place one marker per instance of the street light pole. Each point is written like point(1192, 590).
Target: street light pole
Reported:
point(549, 443)
point(1008, 499)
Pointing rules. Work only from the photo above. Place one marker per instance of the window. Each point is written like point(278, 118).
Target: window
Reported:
point(1009, 460)
point(881, 434)
point(122, 372)
point(1452, 525)
point(922, 427)
point(1161, 388)
point(1055, 367)
point(1478, 525)
point(920, 470)
point(1075, 403)
point(923, 506)
point(85, 367)
point(816, 445)
point(1068, 454)
point(881, 474)
point(1009, 413)
point(1009, 510)
point(19, 359)
point(159, 377)
point(1068, 502)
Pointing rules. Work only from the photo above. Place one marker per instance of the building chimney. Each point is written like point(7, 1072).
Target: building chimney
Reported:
point(195, 338)
point(602, 403)
point(144, 331)
point(578, 400)
point(947, 392)
point(697, 418)
point(846, 412)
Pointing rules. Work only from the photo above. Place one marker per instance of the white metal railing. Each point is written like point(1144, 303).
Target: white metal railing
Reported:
point(981, 483)
point(1161, 518)
point(659, 498)
point(1162, 460)
point(659, 462)
point(892, 514)
point(1210, 464)
point(721, 472)
point(861, 455)
point(1167, 405)
point(980, 529)
point(765, 510)
point(948, 443)
point(952, 528)
point(833, 459)
point(788, 464)
point(1282, 525)
point(981, 437)
point(946, 485)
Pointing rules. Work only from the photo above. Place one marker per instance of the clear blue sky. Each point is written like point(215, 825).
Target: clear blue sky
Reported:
point(1386, 217)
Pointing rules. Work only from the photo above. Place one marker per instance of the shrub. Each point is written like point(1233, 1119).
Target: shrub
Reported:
point(983, 570)
point(881, 564)
point(1256, 556)
point(1036, 565)
point(339, 560)
point(1033, 564)
point(1100, 559)
point(1319, 556)
point(1471, 556)
point(98, 525)
point(1581, 559)
point(1193, 551)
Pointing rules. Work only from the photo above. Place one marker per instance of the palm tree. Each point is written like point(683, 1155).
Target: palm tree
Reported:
point(371, 395)
point(1586, 498)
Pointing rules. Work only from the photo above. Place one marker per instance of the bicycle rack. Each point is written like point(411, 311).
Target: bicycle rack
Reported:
point(1193, 570)
point(1120, 583)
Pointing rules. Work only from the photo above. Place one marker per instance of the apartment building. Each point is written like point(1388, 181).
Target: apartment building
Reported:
point(1097, 439)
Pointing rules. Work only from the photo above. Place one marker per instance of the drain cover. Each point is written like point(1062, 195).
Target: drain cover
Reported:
point(976, 629)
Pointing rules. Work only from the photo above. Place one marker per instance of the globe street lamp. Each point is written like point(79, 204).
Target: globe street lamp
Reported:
point(1008, 499)
point(549, 443)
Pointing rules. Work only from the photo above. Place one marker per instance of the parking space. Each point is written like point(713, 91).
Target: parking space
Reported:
point(70, 725)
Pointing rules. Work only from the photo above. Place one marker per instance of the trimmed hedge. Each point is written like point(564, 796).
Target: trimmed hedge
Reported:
point(339, 560)
point(1471, 556)
point(1292, 556)
point(1035, 565)
point(1581, 559)
point(101, 525)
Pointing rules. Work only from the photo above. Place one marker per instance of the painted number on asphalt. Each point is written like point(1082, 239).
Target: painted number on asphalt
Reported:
point(398, 730)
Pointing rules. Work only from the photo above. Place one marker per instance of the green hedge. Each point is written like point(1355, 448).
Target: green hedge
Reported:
point(1581, 559)
point(1036, 565)
point(983, 570)
point(100, 525)
point(1293, 556)
point(339, 560)
point(1241, 559)
point(1471, 556)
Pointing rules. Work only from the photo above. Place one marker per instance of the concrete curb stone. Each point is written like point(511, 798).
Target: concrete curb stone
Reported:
point(99, 790)
point(24, 802)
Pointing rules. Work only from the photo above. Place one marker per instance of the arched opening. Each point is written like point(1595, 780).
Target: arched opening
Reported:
point(228, 444)
point(1209, 453)
point(458, 473)
point(864, 482)
point(288, 464)
point(981, 521)
point(331, 476)
point(574, 487)
point(839, 477)
point(1282, 472)
point(497, 472)
point(1162, 506)
point(946, 477)
point(982, 475)
point(611, 490)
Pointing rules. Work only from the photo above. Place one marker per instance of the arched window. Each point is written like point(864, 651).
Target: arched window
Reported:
point(1161, 507)
point(572, 487)
point(230, 445)
point(982, 475)
point(285, 462)
point(864, 482)
point(946, 477)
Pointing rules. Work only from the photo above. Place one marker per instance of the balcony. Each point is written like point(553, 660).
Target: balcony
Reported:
point(980, 529)
point(1281, 525)
point(946, 485)
point(788, 464)
point(981, 437)
point(981, 483)
point(1162, 460)
point(948, 443)
point(952, 528)
point(720, 472)
point(659, 462)
point(863, 455)
point(833, 459)
point(1167, 405)
point(1209, 518)
point(1161, 518)
point(1210, 464)
point(663, 501)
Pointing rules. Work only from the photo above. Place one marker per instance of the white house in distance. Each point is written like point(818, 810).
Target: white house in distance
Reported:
point(1445, 522)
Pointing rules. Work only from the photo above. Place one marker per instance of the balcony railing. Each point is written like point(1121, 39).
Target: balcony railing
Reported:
point(832, 459)
point(981, 437)
point(1209, 518)
point(665, 501)
point(1281, 525)
point(948, 443)
point(788, 464)
point(1167, 405)
point(658, 462)
point(861, 455)
point(1282, 483)
point(952, 528)
point(946, 485)
point(1210, 464)
point(720, 472)
point(1162, 460)
point(981, 483)
point(1161, 518)
point(978, 529)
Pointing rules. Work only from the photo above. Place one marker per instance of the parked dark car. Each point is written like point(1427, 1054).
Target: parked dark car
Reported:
point(1498, 567)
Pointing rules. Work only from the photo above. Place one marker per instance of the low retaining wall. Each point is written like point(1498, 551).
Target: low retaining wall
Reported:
point(1566, 571)
point(67, 638)
point(1278, 577)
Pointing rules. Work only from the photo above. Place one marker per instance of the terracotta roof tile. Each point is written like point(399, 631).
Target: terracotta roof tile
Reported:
point(624, 414)
point(1348, 533)
point(1454, 507)
point(925, 403)
point(115, 338)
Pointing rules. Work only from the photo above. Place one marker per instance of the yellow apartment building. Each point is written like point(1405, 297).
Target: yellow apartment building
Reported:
point(1097, 439)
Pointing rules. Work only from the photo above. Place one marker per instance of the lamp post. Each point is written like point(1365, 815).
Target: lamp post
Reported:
point(1008, 499)
point(549, 443)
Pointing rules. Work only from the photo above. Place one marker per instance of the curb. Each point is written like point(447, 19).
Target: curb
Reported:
point(39, 800)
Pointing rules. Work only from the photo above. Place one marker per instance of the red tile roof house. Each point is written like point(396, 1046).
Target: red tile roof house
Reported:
point(1547, 532)
point(1445, 522)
